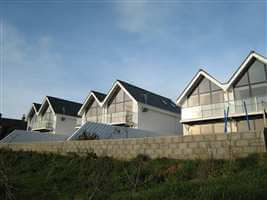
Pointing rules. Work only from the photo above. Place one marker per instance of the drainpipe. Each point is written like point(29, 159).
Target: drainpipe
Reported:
point(145, 97)
point(246, 111)
point(264, 118)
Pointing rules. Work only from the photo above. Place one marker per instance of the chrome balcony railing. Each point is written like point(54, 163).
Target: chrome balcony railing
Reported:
point(94, 119)
point(253, 105)
point(128, 118)
point(44, 124)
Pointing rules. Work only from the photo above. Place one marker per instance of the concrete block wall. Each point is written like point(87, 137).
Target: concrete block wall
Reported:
point(219, 146)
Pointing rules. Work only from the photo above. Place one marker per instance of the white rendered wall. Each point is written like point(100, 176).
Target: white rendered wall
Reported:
point(65, 126)
point(159, 121)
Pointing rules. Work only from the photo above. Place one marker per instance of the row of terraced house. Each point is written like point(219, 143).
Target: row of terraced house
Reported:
point(124, 105)
point(205, 106)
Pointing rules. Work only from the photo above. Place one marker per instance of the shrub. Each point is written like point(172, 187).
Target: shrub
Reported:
point(142, 157)
point(88, 136)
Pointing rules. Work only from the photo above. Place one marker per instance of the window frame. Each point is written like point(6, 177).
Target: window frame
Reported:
point(250, 85)
point(198, 93)
point(116, 103)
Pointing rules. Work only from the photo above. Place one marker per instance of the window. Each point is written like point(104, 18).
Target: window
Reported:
point(94, 111)
point(242, 93)
point(94, 104)
point(217, 97)
point(120, 96)
point(204, 86)
point(129, 106)
point(214, 87)
point(99, 111)
point(164, 101)
point(257, 72)
point(119, 107)
point(243, 80)
point(205, 99)
point(120, 102)
point(259, 90)
point(111, 108)
point(195, 91)
point(193, 101)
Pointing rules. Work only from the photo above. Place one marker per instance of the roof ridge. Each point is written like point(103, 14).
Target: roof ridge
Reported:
point(63, 99)
point(144, 90)
point(94, 91)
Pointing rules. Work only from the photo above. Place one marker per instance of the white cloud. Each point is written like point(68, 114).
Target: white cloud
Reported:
point(142, 16)
point(133, 16)
point(31, 71)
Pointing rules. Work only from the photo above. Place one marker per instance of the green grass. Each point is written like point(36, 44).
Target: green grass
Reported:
point(29, 175)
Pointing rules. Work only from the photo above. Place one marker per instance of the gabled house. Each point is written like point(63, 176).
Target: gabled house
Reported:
point(241, 102)
point(32, 117)
point(131, 106)
point(57, 116)
point(91, 110)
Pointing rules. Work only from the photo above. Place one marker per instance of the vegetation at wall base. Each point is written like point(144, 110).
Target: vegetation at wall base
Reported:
point(30, 175)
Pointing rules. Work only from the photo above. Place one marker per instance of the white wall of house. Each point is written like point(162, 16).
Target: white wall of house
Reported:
point(136, 114)
point(155, 119)
point(65, 126)
point(83, 118)
point(30, 121)
point(159, 121)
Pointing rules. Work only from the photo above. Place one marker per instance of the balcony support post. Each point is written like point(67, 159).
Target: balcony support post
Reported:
point(245, 107)
point(226, 113)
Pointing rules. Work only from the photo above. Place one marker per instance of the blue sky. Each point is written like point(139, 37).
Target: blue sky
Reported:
point(66, 48)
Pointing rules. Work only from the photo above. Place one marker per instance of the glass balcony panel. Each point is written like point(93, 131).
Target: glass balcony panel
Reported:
point(44, 124)
point(120, 118)
point(254, 104)
point(92, 119)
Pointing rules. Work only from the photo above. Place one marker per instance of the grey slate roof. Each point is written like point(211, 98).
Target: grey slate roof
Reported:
point(105, 131)
point(100, 96)
point(37, 106)
point(19, 136)
point(65, 107)
point(151, 99)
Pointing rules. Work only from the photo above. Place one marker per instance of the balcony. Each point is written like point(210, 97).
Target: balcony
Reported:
point(255, 105)
point(44, 125)
point(126, 118)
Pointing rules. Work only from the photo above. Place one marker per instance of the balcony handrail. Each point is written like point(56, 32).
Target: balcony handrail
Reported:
point(120, 117)
point(254, 104)
point(43, 124)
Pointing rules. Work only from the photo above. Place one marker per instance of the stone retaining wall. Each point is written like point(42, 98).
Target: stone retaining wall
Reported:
point(219, 146)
